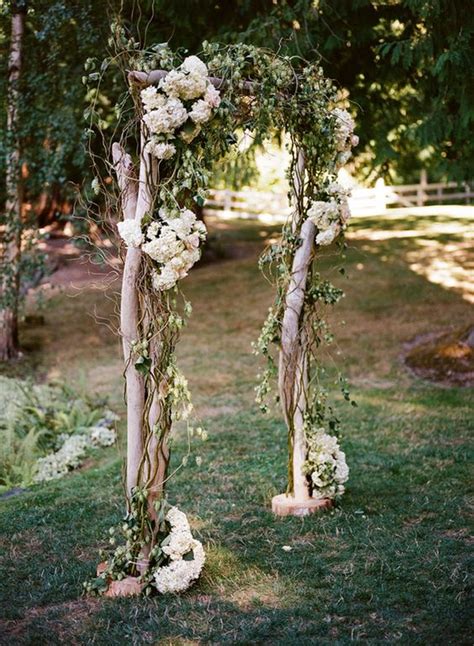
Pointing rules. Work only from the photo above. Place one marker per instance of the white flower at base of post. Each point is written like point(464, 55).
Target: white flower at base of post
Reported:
point(179, 573)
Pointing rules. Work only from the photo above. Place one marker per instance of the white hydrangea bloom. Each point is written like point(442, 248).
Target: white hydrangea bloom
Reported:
point(180, 543)
point(193, 241)
point(151, 98)
point(326, 464)
point(201, 111)
point(68, 457)
point(174, 244)
point(188, 217)
point(338, 190)
point(164, 279)
point(177, 519)
point(159, 149)
point(153, 230)
point(166, 119)
point(323, 214)
point(164, 247)
point(193, 64)
point(179, 574)
point(326, 236)
point(344, 130)
point(180, 227)
point(131, 232)
point(212, 96)
point(200, 227)
point(184, 85)
point(344, 211)
point(102, 436)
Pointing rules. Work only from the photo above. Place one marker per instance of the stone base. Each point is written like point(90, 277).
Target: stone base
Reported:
point(283, 505)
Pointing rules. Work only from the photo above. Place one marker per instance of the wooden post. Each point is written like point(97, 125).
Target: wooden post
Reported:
point(135, 202)
point(421, 194)
point(293, 368)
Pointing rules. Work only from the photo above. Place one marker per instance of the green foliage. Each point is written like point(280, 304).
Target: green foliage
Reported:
point(31, 422)
point(406, 66)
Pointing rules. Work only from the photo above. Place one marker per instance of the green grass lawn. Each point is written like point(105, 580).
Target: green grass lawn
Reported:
point(390, 565)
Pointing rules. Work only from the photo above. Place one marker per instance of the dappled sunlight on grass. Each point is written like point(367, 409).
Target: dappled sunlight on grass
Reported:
point(441, 242)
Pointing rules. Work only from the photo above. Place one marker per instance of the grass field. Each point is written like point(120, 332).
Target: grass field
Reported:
point(391, 565)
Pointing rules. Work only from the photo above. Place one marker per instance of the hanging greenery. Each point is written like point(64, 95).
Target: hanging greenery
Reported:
point(188, 113)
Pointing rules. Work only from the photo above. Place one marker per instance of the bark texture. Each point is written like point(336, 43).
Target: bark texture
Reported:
point(10, 242)
point(293, 362)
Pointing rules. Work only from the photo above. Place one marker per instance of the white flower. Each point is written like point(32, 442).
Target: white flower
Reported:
point(102, 436)
point(200, 227)
point(326, 236)
point(212, 96)
point(193, 64)
point(325, 464)
point(344, 128)
point(188, 216)
point(338, 190)
point(170, 116)
point(131, 233)
point(177, 519)
point(200, 111)
point(191, 256)
point(151, 99)
point(159, 149)
point(192, 241)
point(153, 230)
point(165, 279)
point(180, 543)
point(180, 227)
point(178, 575)
point(184, 85)
point(322, 214)
point(165, 247)
point(68, 457)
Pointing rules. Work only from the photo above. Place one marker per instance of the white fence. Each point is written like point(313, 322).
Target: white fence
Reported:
point(363, 201)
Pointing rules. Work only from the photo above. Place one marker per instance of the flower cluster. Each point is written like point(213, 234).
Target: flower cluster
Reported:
point(184, 96)
point(325, 465)
point(179, 546)
point(345, 137)
point(172, 242)
point(131, 233)
point(73, 449)
point(330, 216)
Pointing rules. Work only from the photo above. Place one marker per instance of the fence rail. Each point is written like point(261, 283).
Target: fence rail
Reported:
point(363, 201)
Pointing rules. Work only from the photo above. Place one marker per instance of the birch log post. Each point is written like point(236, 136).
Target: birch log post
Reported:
point(293, 368)
point(129, 316)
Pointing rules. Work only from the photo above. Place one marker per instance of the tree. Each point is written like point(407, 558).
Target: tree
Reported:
point(11, 226)
point(405, 66)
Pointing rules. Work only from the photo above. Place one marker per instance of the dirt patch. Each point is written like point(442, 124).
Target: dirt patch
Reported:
point(65, 620)
point(445, 357)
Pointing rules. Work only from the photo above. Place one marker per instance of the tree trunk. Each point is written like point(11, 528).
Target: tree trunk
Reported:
point(10, 245)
